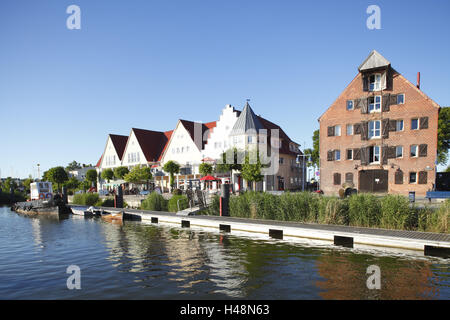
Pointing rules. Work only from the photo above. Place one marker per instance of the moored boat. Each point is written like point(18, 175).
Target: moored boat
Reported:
point(42, 201)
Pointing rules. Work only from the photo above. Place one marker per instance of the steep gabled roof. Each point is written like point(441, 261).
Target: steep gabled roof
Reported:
point(152, 143)
point(190, 127)
point(373, 61)
point(119, 143)
point(247, 120)
point(168, 135)
point(99, 162)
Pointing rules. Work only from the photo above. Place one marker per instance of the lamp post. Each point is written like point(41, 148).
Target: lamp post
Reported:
point(38, 175)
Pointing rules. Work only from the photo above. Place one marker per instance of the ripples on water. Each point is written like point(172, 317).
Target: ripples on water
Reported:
point(140, 261)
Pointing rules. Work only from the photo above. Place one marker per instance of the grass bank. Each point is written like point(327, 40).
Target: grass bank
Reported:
point(361, 210)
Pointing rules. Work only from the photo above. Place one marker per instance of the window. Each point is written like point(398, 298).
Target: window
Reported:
point(401, 98)
point(414, 124)
point(187, 149)
point(399, 125)
point(413, 177)
point(399, 152)
point(374, 154)
point(337, 154)
point(349, 104)
point(281, 160)
point(375, 82)
point(414, 151)
point(250, 139)
point(349, 154)
point(349, 129)
point(374, 129)
point(375, 104)
point(337, 130)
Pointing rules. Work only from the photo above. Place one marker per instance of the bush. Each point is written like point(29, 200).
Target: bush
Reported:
point(87, 199)
point(154, 202)
point(214, 208)
point(173, 203)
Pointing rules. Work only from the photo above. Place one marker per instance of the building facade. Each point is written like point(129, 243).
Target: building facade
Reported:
point(191, 143)
point(380, 135)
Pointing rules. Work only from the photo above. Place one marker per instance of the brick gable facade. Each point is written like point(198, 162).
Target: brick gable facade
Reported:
point(372, 141)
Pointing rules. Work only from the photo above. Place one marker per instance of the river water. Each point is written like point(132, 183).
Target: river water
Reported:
point(142, 261)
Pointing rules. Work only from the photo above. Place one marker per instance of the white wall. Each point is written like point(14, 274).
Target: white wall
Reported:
point(182, 149)
point(110, 158)
point(219, 140)
point(133, 147)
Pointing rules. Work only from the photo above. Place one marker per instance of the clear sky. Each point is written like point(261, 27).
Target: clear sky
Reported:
point(145, 64)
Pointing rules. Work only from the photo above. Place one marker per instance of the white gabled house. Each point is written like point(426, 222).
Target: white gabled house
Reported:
point(219, 139)
point(186, 144)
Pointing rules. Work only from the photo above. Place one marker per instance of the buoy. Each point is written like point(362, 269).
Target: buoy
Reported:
point(41, 195)
point(48, 196)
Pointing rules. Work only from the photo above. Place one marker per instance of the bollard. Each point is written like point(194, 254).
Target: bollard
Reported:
point(64, 194)
point(225, 200)
point(118, 199)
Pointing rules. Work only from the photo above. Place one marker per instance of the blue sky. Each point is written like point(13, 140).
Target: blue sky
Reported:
point(145, 64)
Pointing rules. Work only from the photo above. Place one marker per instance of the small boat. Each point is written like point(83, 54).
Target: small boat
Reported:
point(113, 217)
point(42, 201)
point(82, 212)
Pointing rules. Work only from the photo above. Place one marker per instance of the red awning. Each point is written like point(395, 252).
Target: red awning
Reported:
point(208, 160)
point(209, 178)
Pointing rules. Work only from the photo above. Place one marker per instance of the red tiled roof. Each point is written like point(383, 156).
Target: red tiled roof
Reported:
point(152, 143)
point(168, 134)
point(99, 162)
point(285, 140)
point(119, 143)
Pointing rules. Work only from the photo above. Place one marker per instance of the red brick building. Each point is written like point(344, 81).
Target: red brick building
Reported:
point(380, 134)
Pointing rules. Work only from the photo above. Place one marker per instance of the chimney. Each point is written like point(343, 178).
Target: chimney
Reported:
point(418, 80)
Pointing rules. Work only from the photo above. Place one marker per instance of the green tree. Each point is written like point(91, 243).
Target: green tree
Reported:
point(107, 174)
point(205, 169)
point(139, 174)
point(252, 171)
point(91, 176)
point(171, 167)
point(72, 183)
point(443, 144)
point(234, 164)
point(448, 169)
point(315, 155)
point(9, 182)
point(73, 166)
point(120, 172)
point(27, 183)
point(57, 175)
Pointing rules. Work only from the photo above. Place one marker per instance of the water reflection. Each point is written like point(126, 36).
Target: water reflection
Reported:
point(139, 261)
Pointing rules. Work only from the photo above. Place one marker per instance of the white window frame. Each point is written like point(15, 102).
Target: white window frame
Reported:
point(396, 153)
point(374, 129)
point(376, 83)
point(417, 151)
point(336, 153)
point(337, 129)
point(403, 95)
point(372, 161)
point(409, 178)
point(397, 124)
point(351, 103)
point(376, 105)
point(418, 124)
point(351, 131)
point(351, 150)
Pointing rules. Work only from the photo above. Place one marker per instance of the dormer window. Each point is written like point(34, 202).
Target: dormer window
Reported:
point(375, 82)
point(349, 104)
